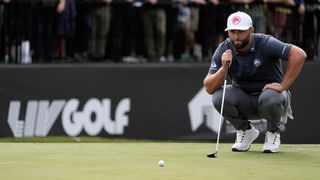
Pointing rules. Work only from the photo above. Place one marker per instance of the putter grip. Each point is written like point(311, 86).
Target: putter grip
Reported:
point(226, 73)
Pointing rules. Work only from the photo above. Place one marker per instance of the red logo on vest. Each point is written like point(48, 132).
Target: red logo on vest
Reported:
point(236, 20)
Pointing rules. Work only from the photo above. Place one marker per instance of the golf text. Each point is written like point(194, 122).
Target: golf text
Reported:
point(40, 115)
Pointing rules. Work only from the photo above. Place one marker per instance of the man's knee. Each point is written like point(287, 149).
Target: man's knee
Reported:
point(271, 100)
point(217, 99)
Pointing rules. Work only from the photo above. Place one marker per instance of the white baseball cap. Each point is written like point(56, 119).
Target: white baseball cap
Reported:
point(239, 21)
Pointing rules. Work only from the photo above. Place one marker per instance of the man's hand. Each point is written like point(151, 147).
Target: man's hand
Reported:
point(296, 58)
point(212, 82)
point(61, 6)
point(107, 1)
point(153, 2)
point(302, 9)
point(275, 86)
point(226, 57)
point(290, 2)
point(217, 2)
point(201, 2)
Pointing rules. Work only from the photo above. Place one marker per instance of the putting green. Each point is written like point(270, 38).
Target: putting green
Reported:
point(139, 160)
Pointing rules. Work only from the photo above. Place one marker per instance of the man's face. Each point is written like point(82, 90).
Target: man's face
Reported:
point(240, 38)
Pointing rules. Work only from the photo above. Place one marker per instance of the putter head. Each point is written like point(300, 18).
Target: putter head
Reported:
point(212, 155)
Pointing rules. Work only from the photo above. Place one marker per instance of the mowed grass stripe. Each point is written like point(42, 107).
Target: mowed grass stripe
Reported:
point(139, 160)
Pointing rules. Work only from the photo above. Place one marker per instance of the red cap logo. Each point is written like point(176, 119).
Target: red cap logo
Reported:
point(236, 20)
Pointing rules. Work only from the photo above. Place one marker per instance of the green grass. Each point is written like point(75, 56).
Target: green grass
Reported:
point(122, 159)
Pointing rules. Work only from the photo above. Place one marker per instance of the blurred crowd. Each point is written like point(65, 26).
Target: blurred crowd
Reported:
point(139, 31)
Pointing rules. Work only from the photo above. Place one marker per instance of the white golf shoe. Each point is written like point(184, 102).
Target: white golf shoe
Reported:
point(271, 143)
point(245, 139)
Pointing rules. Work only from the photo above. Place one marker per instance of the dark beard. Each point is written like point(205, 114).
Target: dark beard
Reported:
point(241, 45)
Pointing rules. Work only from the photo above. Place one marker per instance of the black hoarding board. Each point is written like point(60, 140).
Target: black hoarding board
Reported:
point(148, 101)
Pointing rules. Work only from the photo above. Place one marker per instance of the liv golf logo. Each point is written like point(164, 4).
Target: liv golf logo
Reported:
point(201, 111)
point(40, 115)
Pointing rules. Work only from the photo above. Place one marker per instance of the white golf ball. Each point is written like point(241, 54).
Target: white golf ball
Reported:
point(161, 163)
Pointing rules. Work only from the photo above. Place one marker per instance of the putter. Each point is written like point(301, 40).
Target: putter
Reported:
point(215, 154)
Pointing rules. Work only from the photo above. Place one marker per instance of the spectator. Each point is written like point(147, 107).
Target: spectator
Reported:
point(82, 30)
point(280, 19)
point(65, 47)
point(154, 23)
point(161, 37)
point(311, 29)
point(297, 24)
point(45, 39)
point(100, 18)
point(171, 29)
point(256, 9)
point(212, 19)
point(188, 19)
point(17, 32)
point(123, 32)
point(3, 23)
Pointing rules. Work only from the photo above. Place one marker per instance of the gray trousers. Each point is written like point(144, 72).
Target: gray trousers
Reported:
point(239, 107)
point(100, 19)
point(154, 21)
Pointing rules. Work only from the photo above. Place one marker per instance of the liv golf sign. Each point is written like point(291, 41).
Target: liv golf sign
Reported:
point(40, 115)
